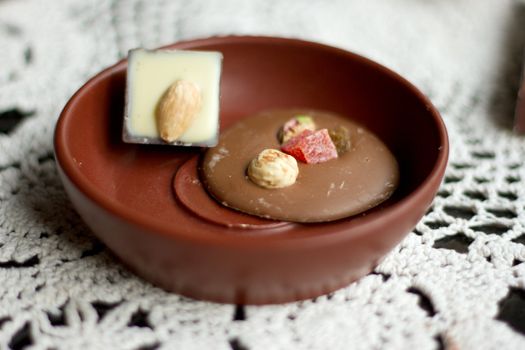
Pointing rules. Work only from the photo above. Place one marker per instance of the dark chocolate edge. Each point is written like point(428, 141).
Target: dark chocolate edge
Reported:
point(126, 136)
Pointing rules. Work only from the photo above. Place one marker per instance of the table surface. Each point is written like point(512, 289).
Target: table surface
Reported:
point(456, 282)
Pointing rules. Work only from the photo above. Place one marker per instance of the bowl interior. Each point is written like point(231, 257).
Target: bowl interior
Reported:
point(134, 181)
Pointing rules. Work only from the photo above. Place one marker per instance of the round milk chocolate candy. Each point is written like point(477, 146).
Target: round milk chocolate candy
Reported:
point(356, 181)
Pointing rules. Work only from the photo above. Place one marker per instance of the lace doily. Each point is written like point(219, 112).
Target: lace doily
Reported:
point(456, 282)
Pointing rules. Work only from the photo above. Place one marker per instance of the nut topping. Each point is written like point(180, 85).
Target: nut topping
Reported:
point(177, 109)
point(273, 169)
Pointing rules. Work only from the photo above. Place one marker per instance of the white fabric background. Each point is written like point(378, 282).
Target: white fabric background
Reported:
point(60, 289)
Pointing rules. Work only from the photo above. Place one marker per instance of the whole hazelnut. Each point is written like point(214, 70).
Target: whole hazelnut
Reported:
point(273, 169)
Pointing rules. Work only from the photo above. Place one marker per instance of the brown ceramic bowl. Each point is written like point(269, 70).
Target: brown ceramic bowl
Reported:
point(123, 192)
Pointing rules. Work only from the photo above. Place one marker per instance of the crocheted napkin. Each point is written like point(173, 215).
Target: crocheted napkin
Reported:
point(457, 281)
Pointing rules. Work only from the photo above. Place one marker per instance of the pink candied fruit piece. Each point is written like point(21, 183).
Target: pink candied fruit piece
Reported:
point(293, 147)
point(311, 147)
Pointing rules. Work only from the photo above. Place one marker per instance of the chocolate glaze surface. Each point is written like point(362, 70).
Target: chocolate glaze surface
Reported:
point(358, 180)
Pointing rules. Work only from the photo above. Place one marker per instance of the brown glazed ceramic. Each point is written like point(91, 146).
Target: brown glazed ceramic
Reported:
point(124, 192)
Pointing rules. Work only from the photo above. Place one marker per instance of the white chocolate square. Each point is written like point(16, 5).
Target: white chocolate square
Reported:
point(150, 73)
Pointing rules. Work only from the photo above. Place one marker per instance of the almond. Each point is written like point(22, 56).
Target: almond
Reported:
point(177, 109)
